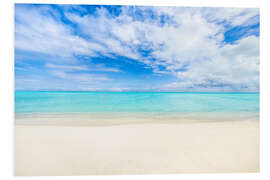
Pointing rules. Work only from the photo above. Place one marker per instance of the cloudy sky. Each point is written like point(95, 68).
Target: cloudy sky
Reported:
point(136, 48)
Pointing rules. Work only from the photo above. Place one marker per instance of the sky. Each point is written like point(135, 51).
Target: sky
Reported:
point(136, 48)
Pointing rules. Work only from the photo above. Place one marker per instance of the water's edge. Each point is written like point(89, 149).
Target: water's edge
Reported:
point(103, 119)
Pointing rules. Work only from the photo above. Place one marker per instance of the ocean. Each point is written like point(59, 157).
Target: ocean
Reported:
point(73, 108)
point(75, 102)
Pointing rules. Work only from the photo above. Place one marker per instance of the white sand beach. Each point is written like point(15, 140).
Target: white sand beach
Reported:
point(135, 89)
point(175, 147)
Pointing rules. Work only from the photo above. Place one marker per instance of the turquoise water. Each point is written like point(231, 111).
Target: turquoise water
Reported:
point(60, 102)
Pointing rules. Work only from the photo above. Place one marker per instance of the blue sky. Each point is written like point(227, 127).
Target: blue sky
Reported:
point(136, 48)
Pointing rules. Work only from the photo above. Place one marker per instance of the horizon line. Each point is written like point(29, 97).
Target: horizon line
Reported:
point(143, 91)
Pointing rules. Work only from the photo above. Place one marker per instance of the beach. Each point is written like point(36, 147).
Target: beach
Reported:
point(98, 133)
point(179, 146)
point(134, 89)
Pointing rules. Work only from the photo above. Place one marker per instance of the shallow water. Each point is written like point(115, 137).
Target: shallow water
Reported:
point(75, 102)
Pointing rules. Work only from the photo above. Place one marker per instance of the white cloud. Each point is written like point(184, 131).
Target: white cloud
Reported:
point(38, 31)
point(189, 45)
point(62, 81)
point(81, 77)
point(69, 68)
point(235, 66)
point(79, 74)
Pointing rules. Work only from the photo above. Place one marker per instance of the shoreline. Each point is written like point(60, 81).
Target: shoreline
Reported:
point(116, 118)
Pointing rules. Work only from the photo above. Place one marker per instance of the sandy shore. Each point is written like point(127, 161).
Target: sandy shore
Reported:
point(197, 147)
